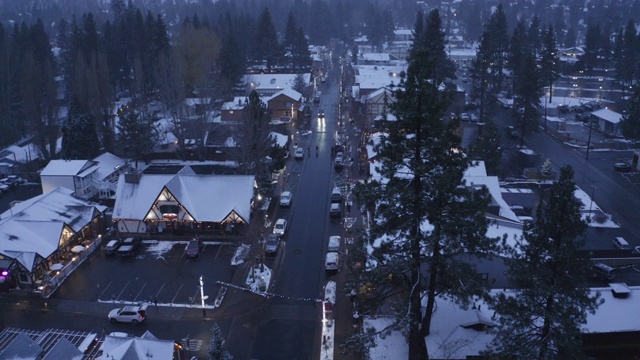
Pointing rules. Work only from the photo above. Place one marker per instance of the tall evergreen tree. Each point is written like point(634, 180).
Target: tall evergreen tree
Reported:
point(421, 205)
point(549, 59)
point(541, 317)
point(301, 53)
point(487, 71)
point(631, 120)
point(591, 48)
point(487, 147)
point(266, 46)
point(137, 135)
point(526, 103)
point(79, 138)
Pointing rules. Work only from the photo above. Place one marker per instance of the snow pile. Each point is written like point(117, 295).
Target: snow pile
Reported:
point(240, 255)
point(589, 210)
point(390, 344)
point(258, 278)
point(159, 248)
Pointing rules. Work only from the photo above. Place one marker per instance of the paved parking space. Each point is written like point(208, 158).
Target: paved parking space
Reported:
point(159, 270)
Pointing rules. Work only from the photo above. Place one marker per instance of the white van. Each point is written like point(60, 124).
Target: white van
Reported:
point(334, 243)
point(621, 243)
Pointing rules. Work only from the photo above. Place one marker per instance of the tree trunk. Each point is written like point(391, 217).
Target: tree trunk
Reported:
point(546, 330)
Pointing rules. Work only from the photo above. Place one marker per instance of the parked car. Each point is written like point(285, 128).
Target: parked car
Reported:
point(129, 314)
point(280, 227)
point(563, 108)
point(128, 246)
point(336, 195)
point(4, 188)
point(339, 161)
point(194, 247)
point(335, 210)
point(465, 117)
point(603, 271)
point(285, 198)
point(334, 243)
point(511, 131)
point(332, 261)
point(17, 180)
point(622, 166)
point(299, 154)
point(112, 247)
point(271, 244)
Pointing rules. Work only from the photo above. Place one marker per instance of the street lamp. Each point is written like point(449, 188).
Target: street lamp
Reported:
point(202, 297)
point(590, 122)
point(593, 189)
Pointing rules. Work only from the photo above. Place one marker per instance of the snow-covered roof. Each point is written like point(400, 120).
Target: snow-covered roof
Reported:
point(66, 167)
point(238, 103)
point(378, 93)
point(451, 335)
point(147, 346)
point(107, 164)
point(22, 347)
point(477, 175)
point(608, 115)
point(374, 77)
point(273, 81)
point(208, 198)
point(375, 56)
point(281, 140)
point(35, 225)
point(289, 92)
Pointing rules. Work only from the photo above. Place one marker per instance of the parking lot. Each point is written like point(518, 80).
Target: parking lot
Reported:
point(159, 270)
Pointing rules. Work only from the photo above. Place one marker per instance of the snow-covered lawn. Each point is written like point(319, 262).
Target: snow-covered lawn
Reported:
point(588, 204)
point(391, 344)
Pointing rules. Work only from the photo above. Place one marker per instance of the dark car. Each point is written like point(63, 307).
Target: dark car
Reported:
point(603, 272)
point(271, 244)
point(194, 247)
point(128, 246)
point(622, 166)
point(112, 247)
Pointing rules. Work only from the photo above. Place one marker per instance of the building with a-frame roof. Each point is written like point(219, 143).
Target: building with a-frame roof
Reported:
point(182, 204)
point(39, 233)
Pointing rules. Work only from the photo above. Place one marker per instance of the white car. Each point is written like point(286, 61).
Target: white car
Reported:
point(331, 261)
point(334, 243)
point(280, 227)
point(129, 314)
point(299, 154)
point(285, 198)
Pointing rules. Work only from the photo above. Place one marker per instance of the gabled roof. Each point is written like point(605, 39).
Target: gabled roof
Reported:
point(289, 92)
point(66, 167)
point(134, 348)
point(34, 226)
point(63, 350)
point(22, 348)
point(208, 198)
point(107, 164)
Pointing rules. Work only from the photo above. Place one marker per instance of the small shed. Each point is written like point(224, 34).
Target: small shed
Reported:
point(608, 121)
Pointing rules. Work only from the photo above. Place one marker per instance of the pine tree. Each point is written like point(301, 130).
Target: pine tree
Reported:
point(137, 136)
point(422, 172)
point(549, 59)
point(216, 346)
point(266, 46)
point(487, 147)
point(541, 317)
point(79, 138)
point(631, 120)
point(527, 91)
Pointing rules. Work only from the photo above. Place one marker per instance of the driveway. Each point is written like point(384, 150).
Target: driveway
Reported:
point(159, 270)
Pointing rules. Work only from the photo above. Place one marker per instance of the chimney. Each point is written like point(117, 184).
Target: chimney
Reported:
point(133, 178)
